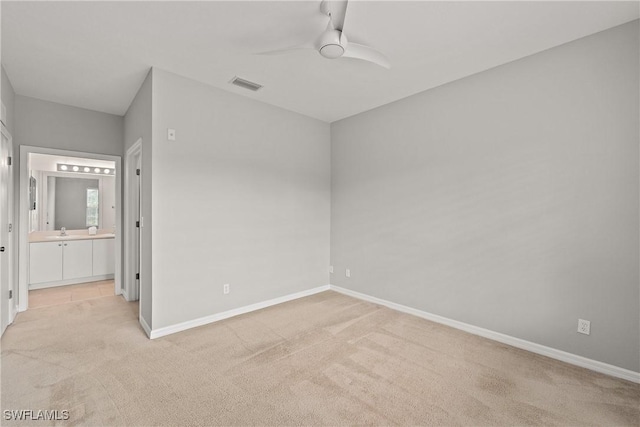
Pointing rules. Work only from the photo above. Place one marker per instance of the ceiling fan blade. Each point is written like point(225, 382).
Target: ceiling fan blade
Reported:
point(366, 53)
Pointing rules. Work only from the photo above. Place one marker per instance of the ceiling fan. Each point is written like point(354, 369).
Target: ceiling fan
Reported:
point(333, 43)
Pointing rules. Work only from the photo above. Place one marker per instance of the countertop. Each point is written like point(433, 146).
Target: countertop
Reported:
point(54, 236)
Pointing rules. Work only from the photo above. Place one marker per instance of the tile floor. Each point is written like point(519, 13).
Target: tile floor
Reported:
point(63, 294)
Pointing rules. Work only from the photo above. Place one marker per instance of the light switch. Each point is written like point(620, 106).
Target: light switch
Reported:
point(171, 134)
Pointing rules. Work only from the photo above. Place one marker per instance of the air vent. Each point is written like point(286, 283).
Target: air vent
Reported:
point(246, 84)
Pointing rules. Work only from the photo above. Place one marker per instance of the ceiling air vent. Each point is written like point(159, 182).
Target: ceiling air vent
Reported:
point(246, 84)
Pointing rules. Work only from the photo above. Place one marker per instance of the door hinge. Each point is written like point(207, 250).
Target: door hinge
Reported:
point(137, 224)
point(137, 171)
point(1, 248)
point(10, 294)
point(9, 161)
point(137, 276)
point(10, 227)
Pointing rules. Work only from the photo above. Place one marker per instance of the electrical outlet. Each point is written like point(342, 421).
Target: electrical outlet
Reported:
point(347, 272)
point(584, 326)
point(331, 269)
point(225, 288)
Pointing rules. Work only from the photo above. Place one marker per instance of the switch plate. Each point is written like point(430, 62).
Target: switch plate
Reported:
point(331, 269)
point(347, 272)
point(171, 134)
point(225, 288)
point(584, 326)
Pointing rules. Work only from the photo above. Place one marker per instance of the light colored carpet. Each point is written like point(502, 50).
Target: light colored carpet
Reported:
point(63, 294)
point(327, 359)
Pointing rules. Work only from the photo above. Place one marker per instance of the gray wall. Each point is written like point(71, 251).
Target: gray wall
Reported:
point(52, 125)
point(137, 124)
point(71, 202)
point(241, 197)
point(506, 200)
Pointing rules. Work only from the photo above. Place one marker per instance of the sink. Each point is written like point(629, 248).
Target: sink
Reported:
point(60, 237)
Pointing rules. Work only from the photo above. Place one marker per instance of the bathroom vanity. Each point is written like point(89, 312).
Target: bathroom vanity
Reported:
point(56, 260)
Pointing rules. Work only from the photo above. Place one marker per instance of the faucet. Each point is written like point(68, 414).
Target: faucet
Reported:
point(63, 231)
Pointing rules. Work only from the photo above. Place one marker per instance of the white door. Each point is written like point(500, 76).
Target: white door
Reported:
point(45, 262)
point(104, 257)
point(77, 259)
point(6, 205)
point(138, 236)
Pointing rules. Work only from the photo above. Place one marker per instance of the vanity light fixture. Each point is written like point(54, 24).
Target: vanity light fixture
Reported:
point(66, 167)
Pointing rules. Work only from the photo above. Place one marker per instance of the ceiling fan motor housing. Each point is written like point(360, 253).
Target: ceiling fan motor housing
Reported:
point(332, 44)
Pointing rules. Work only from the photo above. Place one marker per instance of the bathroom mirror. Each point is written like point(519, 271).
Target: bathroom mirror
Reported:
point(71, 192)
point(73, 202)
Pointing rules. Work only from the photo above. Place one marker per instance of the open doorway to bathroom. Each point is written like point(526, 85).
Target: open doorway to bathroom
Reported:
point(69, 233)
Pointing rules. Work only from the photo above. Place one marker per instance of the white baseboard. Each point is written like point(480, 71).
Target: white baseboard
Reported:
point(124, 294)
point(145, 326)
point(172, 329)
point(553, 353)
point(89, 279)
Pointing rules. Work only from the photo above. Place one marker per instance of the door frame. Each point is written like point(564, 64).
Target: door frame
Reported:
point(25, 150)
point(133, 156)
point(12, 306)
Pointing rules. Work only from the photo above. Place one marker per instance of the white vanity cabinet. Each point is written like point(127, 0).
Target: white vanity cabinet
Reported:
point(70, 261)
point(77, 259)
point(104, 257)
point(45, 262)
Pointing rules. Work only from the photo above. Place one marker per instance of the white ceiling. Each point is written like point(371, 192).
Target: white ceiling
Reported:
point(95, 55)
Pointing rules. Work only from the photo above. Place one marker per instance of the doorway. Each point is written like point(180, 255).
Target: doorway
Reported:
point(97, 178)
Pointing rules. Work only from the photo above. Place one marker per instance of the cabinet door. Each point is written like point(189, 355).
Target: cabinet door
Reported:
point(77, 259)
point(104, 257)
point(45, 262)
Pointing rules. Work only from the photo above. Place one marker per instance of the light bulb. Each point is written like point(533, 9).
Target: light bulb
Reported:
point(76, 168)
point(63, 167)
point(107, 171)
point(97, 170)
point(86, 169)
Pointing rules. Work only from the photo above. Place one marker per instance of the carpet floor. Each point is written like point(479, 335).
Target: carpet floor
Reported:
point(327, 359)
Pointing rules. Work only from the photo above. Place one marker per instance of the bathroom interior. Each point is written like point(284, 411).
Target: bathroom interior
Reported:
point(72, 218)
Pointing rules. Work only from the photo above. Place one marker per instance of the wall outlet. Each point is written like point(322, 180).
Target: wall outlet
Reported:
point(584, 326)
point(225, 288)
point(331, 269)
point(347, 272)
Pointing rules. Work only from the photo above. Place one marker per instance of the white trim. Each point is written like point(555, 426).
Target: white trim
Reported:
point(12, 242)
point(147, 329)
point(172, 329)
point(553, 353)
point(22, 220)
